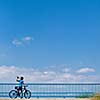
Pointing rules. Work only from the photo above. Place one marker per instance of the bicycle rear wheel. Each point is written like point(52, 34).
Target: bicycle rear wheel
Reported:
point(13, 94)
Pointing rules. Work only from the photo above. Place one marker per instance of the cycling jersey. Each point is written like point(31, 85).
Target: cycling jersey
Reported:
point(21, 82)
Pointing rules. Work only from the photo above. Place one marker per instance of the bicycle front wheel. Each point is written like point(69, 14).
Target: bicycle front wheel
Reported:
point(13, 94)
point(27, 94)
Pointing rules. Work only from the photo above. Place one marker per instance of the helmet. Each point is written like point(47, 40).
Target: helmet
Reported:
point(21, 78)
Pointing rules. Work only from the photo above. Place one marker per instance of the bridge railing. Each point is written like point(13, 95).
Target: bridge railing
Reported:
point(60, 90)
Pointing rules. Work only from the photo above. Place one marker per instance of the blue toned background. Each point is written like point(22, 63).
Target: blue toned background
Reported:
point(41, 33)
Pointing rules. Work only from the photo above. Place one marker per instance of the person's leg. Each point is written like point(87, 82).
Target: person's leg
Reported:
point(20, 88)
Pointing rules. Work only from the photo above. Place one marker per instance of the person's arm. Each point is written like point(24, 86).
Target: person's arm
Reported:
point(22, 82)
point(18, 80)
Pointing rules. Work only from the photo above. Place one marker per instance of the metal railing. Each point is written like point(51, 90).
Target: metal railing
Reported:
point(54, 90)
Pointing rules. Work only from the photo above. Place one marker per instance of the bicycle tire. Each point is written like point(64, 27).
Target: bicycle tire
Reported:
point(21, 95)
point(13, 94)
point(27, 94)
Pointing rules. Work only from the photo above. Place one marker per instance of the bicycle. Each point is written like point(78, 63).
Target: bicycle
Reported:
point(16, 93)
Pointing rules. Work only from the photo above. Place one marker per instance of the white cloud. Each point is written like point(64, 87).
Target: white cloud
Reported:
point(22, 41)
point(17, 42)
point(66, 70)
point(9, 73)
point(27, 38)
point(85, 70)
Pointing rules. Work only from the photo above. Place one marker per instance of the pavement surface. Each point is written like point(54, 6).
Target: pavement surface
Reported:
point(50, 99)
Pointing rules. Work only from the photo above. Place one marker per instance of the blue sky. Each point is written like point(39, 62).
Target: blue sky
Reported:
point(42, 33)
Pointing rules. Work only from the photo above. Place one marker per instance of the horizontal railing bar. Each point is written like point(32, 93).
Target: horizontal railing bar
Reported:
point(56, 92)
point(47, 96)
point(52, 96)
point(52, 83)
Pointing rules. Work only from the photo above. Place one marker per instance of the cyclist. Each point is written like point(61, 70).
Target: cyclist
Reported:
point(20, 84)
point(20, 90)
